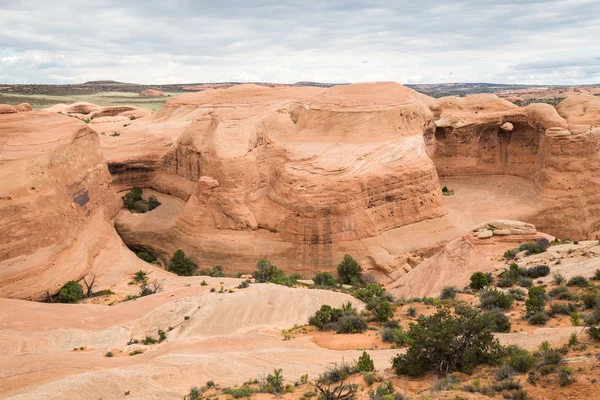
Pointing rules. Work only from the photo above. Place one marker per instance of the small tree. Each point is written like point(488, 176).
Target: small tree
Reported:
point(134, 195)
point(182, 265)
point(479, 280)
point(89, 286)
point(365, 363)
point(267, 272)
point(445, 343)
point(536, 301)
point(349, 271)
point(274, 381)
point(71, 292)
point(324, 279)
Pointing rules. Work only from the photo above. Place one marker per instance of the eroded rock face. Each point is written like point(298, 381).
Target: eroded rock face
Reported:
point(463, 256)
point(555, 149)
point(55, 202)
point(297, 174)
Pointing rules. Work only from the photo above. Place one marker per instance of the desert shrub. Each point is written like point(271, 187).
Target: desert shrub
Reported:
point(558, 279)
point(365, 363)
point(370, 378)
point(596, 276)
point(267, 272)
point(578, 280)
point(148, 257)
point(494, 298)
point(560, 292)
point(517, 293)
point(381, 308)
point(274, 382)
point(372, 291)
point(349, 271)
point(71, 292)
point(479, 280)
point(324, 279)
point(590, 300)
point(153, 202)
point(592, 324)
point(243, 284)
point(327, 318)
point(573, 340)
point(216, 272)
point(446, 343)
point(337, 373)
point(448, 292)
point(536, 301)
point(131, 197)
point(412, 311)
point(526, 282)
point(539, 246)
point(109, 354)
point(510, 254)
point(520, 360)
point(465, 310)
point(504, 372)
point(505, 282)
point(549, 355)
point(498, 321)
point(394, 335)
point(506, 385)
point(182, 265)
point(150, 288)
point(237, 393)
point(351, 324)
point(538, 271)
point(561, 309)
point(565, 376)
point(140, 276)
point(538, 318)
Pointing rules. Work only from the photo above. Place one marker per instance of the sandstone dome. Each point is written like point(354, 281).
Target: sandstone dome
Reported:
point(151, 93)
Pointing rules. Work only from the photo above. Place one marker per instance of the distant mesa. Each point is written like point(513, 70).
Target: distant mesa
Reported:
point(152, 93)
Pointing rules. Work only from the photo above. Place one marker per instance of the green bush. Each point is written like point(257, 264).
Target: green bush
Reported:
point(71, 292)
point(565, 376)
point(149, 258)
point(578, 280)
point(351, 324)
point(182, 265)
point(538, 271)
point(133, 201)
point(520, 359)
point(349, 271)
point(365, 363)
point(216, 272)
point(590, 300)
point(327, 317)
point(517, 293)
point(592, 324)
point(445, 343)
point(498, 321)
point(526, 282)
point(274, 382)
point(133, 196)
point(510, 254)
point(479, 280)
point(596, 276)
point(337, 373)
point(562, 293)
point(561, 309)
point(372, 291)
point(267, 272)
point(412, 311)
point(140, 276)
point(494, 298)
point(558, 279)
point(538, 318)
point(324, 279)
point(394, 335)
point(448, 292)
point(381, 308)
point(237, 393)
point(536, 301)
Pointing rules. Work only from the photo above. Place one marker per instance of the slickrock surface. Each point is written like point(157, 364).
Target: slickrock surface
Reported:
point(56, 202)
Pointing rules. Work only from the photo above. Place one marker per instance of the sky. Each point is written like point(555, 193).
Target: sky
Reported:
point(185, 41)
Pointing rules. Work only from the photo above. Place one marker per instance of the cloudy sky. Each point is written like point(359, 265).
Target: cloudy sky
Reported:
point(177, 41)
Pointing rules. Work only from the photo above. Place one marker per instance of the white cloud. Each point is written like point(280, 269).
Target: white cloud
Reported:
point(504, 41)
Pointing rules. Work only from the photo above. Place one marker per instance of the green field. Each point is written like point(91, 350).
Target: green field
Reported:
point(40, 101)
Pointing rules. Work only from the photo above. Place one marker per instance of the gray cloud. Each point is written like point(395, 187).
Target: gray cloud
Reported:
point(544, 41)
